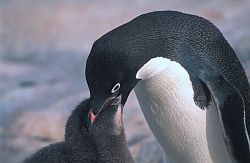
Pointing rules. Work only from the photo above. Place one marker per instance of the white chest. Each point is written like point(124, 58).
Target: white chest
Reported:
point(186, 132)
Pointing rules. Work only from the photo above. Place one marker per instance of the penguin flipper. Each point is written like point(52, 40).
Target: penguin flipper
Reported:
point(231, 110)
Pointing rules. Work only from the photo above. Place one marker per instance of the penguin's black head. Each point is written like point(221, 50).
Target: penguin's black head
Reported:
point(108, 76)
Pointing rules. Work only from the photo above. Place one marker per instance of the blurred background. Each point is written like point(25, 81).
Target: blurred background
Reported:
point(43, 50)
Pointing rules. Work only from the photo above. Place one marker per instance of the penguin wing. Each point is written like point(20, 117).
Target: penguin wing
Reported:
point(231, 110)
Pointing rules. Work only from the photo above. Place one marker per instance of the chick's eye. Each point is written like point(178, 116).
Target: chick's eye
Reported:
point(116, 88)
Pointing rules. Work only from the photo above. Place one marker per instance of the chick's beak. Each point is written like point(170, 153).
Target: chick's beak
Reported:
point(93, 115)
point(91, 118)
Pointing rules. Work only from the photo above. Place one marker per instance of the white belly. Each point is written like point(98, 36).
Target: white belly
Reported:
point(186, 132)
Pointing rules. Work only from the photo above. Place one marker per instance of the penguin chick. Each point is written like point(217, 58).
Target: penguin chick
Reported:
point(77, 147)
point(103, 142)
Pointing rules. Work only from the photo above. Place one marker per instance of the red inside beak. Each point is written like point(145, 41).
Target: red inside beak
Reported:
point(110, 101)
point(92, 117)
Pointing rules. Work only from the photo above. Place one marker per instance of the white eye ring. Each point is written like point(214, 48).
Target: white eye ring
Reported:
point(116, 88)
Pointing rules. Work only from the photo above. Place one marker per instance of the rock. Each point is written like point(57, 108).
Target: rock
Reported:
point(1, 131)
point(45, 125)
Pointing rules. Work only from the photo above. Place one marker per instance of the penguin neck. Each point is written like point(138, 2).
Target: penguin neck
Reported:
point(110, 140)
point(112, 147)
point(76, 131)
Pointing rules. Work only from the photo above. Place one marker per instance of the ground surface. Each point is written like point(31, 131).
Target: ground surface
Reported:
point(43, 49)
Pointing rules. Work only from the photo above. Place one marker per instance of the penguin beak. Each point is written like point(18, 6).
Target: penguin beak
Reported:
point(111, 101)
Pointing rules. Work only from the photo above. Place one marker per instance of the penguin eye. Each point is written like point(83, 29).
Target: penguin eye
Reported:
point(116, 88)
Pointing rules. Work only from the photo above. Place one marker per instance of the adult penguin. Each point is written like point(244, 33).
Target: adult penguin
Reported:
point(190, 85)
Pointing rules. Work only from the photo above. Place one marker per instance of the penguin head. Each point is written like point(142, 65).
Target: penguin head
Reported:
point(109, 74)
point(109, 120)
